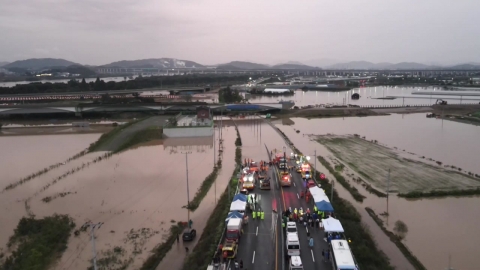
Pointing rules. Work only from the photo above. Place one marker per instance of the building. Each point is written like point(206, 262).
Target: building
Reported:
point(199, 125)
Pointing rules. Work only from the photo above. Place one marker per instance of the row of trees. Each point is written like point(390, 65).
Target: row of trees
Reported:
point(138, 83)
point(227, 95)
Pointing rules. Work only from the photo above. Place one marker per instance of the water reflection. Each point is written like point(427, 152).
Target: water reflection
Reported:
point(437, 227)
point(367, 97)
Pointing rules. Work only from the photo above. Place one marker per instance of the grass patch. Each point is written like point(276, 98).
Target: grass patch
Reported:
point(205, 249)
point(141, 136)
point(339, 167)
point(364, 248)
point(38, 242)
point(439, 193)
point(106, 137)
point(373, 160)
point(160, 251)
point(205, 187)
point(397, 241)
point(353, 190)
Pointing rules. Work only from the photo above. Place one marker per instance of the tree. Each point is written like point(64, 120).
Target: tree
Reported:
point(83, 84)
point(400, 229)
point(187, 98)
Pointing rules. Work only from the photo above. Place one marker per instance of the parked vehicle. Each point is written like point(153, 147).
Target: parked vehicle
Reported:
point(291, 227)
point(292, 245)
point(234, 229)
point(231, 248)
point(189, 234)
point(295, 263)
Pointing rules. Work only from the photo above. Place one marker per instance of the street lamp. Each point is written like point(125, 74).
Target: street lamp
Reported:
point(188, 192)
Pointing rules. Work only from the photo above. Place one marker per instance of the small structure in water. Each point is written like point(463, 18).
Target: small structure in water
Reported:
point(356, 96)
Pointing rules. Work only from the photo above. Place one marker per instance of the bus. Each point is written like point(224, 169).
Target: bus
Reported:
point(342, 258)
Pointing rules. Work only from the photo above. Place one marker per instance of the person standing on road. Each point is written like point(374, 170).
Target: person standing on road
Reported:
point(327, 256)
point(323, 255)
point(178, 238)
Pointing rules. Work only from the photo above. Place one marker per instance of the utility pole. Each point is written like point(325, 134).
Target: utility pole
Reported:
point(331, 197)
point(92, 234)
point(388, 187)
point(315, 171)
point(188, 191)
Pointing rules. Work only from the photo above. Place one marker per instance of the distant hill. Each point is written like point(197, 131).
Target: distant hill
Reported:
point(466, 66)
point(242, 65)
point(294, 63)
point(409, 65)
point(155, 63)
point(291, 66)
point(3, 64)
point(39, 63)
point(323, 62)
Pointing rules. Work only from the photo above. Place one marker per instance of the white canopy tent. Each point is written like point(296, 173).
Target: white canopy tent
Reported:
point(332, 225)
point(318, 194)
point(238, 205)
point(316, 190)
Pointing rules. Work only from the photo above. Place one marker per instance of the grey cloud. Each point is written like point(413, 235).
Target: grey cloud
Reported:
point(215, 31)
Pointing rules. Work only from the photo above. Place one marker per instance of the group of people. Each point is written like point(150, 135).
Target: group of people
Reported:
point(307, 218)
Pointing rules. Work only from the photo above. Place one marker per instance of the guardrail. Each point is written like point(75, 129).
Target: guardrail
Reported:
point(407, 106)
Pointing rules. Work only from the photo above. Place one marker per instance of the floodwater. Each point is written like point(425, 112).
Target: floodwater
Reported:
point(140, 188)
point(106, 79)
point(175, 257)
point(24, 155)
point(368, 96)
point(433, 138)
point(437, 227)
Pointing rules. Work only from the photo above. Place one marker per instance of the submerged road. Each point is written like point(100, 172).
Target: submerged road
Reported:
point(263, 244)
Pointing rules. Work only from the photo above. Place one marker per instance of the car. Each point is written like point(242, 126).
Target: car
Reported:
point(189, 234)
point(311, 183)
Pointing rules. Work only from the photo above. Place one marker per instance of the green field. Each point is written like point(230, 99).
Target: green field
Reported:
point(372, 161)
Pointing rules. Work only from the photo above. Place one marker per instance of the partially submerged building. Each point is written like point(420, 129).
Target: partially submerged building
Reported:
point(199, 125)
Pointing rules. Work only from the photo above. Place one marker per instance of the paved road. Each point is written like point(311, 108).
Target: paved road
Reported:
point(267, 244)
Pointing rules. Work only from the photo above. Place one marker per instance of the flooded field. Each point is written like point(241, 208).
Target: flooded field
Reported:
point(368, 96)
point(437, 227)
point(370, 160)
point(24, 155)
point(432, 138)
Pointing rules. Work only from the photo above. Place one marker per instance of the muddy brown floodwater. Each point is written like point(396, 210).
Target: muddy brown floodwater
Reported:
point(23, 155)
point(437, 227)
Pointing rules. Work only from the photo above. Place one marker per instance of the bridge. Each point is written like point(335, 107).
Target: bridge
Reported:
point(160, 108)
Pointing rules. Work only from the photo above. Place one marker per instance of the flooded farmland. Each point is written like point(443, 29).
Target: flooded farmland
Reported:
point(368, 96)
point(437, 227)
point(137, 193)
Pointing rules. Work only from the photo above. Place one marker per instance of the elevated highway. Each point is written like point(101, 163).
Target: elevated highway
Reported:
point(160, 108)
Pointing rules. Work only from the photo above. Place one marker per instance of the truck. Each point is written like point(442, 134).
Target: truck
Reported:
point(234, 229)
point(229, 249)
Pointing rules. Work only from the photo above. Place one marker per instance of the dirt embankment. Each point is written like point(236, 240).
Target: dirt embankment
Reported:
point(455, 109)
point(329, 112)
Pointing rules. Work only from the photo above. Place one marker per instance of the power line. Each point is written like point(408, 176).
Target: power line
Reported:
point(92, 234)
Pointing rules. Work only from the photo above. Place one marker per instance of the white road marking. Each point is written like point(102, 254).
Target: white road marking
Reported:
point(298, 196)
point(256, 234)
point(313, 257)
point(253, 260)
point(306, 228)
point(294, 184)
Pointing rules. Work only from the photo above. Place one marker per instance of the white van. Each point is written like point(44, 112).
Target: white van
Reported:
point(293, 245)
point(295, 263)
point(291, 227)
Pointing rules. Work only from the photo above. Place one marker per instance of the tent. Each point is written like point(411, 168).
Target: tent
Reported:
point(324, 206)
point(316, 190)
point(332, 225)
point(238, 205)
point(234, 214)
point(240, 196)
point(320, 197)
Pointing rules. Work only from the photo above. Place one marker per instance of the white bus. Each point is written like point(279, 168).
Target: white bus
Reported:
point(342, 258)
point(293, 245)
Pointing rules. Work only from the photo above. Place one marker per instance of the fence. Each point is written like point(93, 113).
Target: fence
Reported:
point(408, 106)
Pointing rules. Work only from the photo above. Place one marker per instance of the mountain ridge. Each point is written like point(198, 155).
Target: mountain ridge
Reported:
point(40, 63)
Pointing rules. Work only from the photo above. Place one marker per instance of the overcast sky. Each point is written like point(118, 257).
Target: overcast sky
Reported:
point(264, 31)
